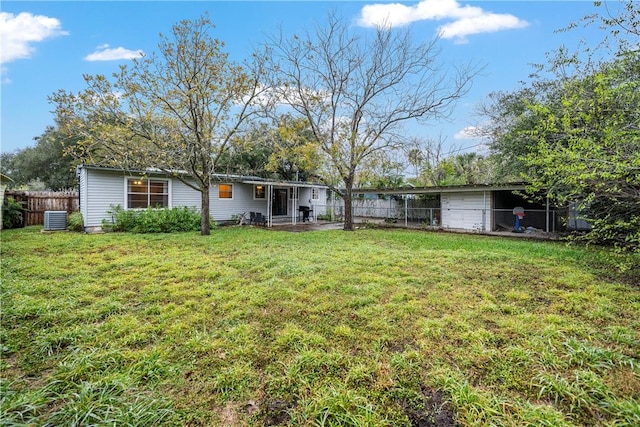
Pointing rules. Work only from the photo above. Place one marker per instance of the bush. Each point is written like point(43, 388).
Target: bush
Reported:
point(12, 213)
point(153, 220)
point(121, 219)
point(75, 222)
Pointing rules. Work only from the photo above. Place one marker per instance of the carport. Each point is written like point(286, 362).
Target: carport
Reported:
point(477, 208)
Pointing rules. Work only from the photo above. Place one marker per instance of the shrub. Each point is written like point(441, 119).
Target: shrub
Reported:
point(121, 219)
point(153, 220)
point(12, 213)
point(75, 222)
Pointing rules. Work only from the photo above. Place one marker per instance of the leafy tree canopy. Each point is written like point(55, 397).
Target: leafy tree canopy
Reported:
point(176, 110)
point(574, 130)
point(45, 166)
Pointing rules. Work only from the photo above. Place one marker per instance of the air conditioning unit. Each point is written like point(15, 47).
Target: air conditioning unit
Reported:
point(55, 220)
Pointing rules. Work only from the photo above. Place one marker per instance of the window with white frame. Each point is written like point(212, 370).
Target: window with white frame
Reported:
point(259, 192)
point(315, 193)
point(145, 193)
point(225, 191)
point(293, 193)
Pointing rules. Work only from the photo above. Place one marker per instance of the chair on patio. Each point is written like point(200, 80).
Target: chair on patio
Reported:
point(260, 219)
point(252, 217)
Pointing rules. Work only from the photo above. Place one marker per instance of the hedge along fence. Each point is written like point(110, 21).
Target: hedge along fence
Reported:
point(37, 202)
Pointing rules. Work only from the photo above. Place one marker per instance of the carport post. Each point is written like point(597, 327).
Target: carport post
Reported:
point(269, 203)
point(331, 195)
point(294, 203)
point(547, 215)
point(406, 213)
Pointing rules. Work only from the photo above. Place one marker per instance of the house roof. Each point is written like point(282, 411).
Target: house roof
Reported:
point(442, 189)
point(244, 179)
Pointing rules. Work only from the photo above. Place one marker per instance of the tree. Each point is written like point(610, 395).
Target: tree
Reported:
point(574, 131)
point(589, 151)
point(425, 155)
point(177, 111)
point(356, 90)
point(294, 155)
point(509, 120)
point(433, 167)
point(278, 150)
point(46, 163)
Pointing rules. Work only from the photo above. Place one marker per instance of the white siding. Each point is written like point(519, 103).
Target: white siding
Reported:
point(322, 202)
point(104, 189)
point(183, 195)
point(242, 201)
point(318, 205)
point(466, 211)
point(101, 189)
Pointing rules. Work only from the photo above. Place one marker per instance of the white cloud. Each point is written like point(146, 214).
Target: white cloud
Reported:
point(485, 23)
point(19, 32)
point(466, 20)
point(3, 76)
point(470, 132)
point(283, 96)
point(105, 53)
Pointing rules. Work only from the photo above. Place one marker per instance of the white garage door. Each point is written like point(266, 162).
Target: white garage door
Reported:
point(466, 211)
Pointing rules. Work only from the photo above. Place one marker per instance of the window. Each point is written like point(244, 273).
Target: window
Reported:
point(293, 193)
point(315, 194)
point(225, 191)
point(144, 193)
point(258, 192)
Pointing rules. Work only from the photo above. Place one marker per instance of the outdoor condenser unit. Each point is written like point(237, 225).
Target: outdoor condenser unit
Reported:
point(55, 220)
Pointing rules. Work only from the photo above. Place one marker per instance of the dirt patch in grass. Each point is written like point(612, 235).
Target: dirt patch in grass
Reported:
point(435, 411)
point(229, 415)
point(275, 412)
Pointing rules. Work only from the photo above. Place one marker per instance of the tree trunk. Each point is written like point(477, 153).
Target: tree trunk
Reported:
point(348, 206)
point(205, 222)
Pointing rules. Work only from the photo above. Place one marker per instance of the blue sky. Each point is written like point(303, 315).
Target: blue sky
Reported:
point(49, 45)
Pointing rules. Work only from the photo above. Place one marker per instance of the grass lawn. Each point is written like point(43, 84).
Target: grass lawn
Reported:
point(257, 327)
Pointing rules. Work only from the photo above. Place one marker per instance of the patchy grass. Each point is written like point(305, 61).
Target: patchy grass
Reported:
point(257, 327)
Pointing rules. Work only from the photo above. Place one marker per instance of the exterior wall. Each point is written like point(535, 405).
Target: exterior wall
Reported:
point(100, 189)
point(318, 204)
point(466, 211)
point(242, 201)
point(183, 195)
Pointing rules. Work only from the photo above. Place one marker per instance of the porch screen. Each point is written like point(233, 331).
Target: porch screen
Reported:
point(144, 193)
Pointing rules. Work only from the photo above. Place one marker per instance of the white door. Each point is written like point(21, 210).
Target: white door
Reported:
point(464, 211)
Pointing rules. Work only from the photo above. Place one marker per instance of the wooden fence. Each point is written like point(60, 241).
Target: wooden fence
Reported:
point(37, 202)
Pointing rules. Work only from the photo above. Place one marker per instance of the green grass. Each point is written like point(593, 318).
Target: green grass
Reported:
point(371, 328)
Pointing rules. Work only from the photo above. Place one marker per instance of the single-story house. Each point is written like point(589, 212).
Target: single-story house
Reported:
point(477, 208)
point(102, 188)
